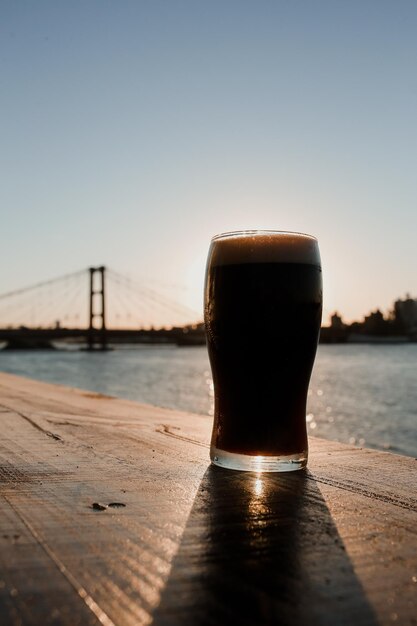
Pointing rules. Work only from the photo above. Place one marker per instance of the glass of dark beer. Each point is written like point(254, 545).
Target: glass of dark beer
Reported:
point(262, 310)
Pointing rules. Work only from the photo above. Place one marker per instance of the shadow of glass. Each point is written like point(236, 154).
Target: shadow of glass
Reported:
point(261, 549)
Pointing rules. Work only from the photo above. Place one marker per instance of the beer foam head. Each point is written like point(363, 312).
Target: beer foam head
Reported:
point(263, 246)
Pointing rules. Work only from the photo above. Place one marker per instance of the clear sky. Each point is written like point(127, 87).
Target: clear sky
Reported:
point(132, 131)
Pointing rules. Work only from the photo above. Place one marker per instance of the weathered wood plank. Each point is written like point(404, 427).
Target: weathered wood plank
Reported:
point(193, 544)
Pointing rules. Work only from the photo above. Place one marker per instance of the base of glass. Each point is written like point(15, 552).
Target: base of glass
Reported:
point(259, 463)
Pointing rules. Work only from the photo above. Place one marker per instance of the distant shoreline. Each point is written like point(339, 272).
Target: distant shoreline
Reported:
point(356, 338)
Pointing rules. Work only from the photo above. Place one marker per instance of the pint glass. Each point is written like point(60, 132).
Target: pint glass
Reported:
point(262, 310)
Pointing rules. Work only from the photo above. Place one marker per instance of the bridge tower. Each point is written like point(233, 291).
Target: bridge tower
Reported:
point(97, 336)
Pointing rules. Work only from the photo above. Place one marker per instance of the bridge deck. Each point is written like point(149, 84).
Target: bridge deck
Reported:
point(193, 544)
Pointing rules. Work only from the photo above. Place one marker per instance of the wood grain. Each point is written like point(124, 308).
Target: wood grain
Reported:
point(194, 544)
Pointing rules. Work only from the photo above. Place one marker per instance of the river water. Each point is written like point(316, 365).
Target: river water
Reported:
point(360, 394)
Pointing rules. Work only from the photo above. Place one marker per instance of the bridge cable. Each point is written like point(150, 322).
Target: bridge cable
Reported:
point(41, 284)
point(156, 297)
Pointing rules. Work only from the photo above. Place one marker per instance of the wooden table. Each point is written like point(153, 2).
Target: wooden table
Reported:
point(194, 544)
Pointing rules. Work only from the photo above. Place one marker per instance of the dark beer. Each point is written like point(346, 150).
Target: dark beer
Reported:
point(263, 301)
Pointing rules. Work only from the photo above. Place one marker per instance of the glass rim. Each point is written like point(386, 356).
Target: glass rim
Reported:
point(254, 232)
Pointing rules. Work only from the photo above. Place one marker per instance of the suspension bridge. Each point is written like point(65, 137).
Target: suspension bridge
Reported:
point(96, 306)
